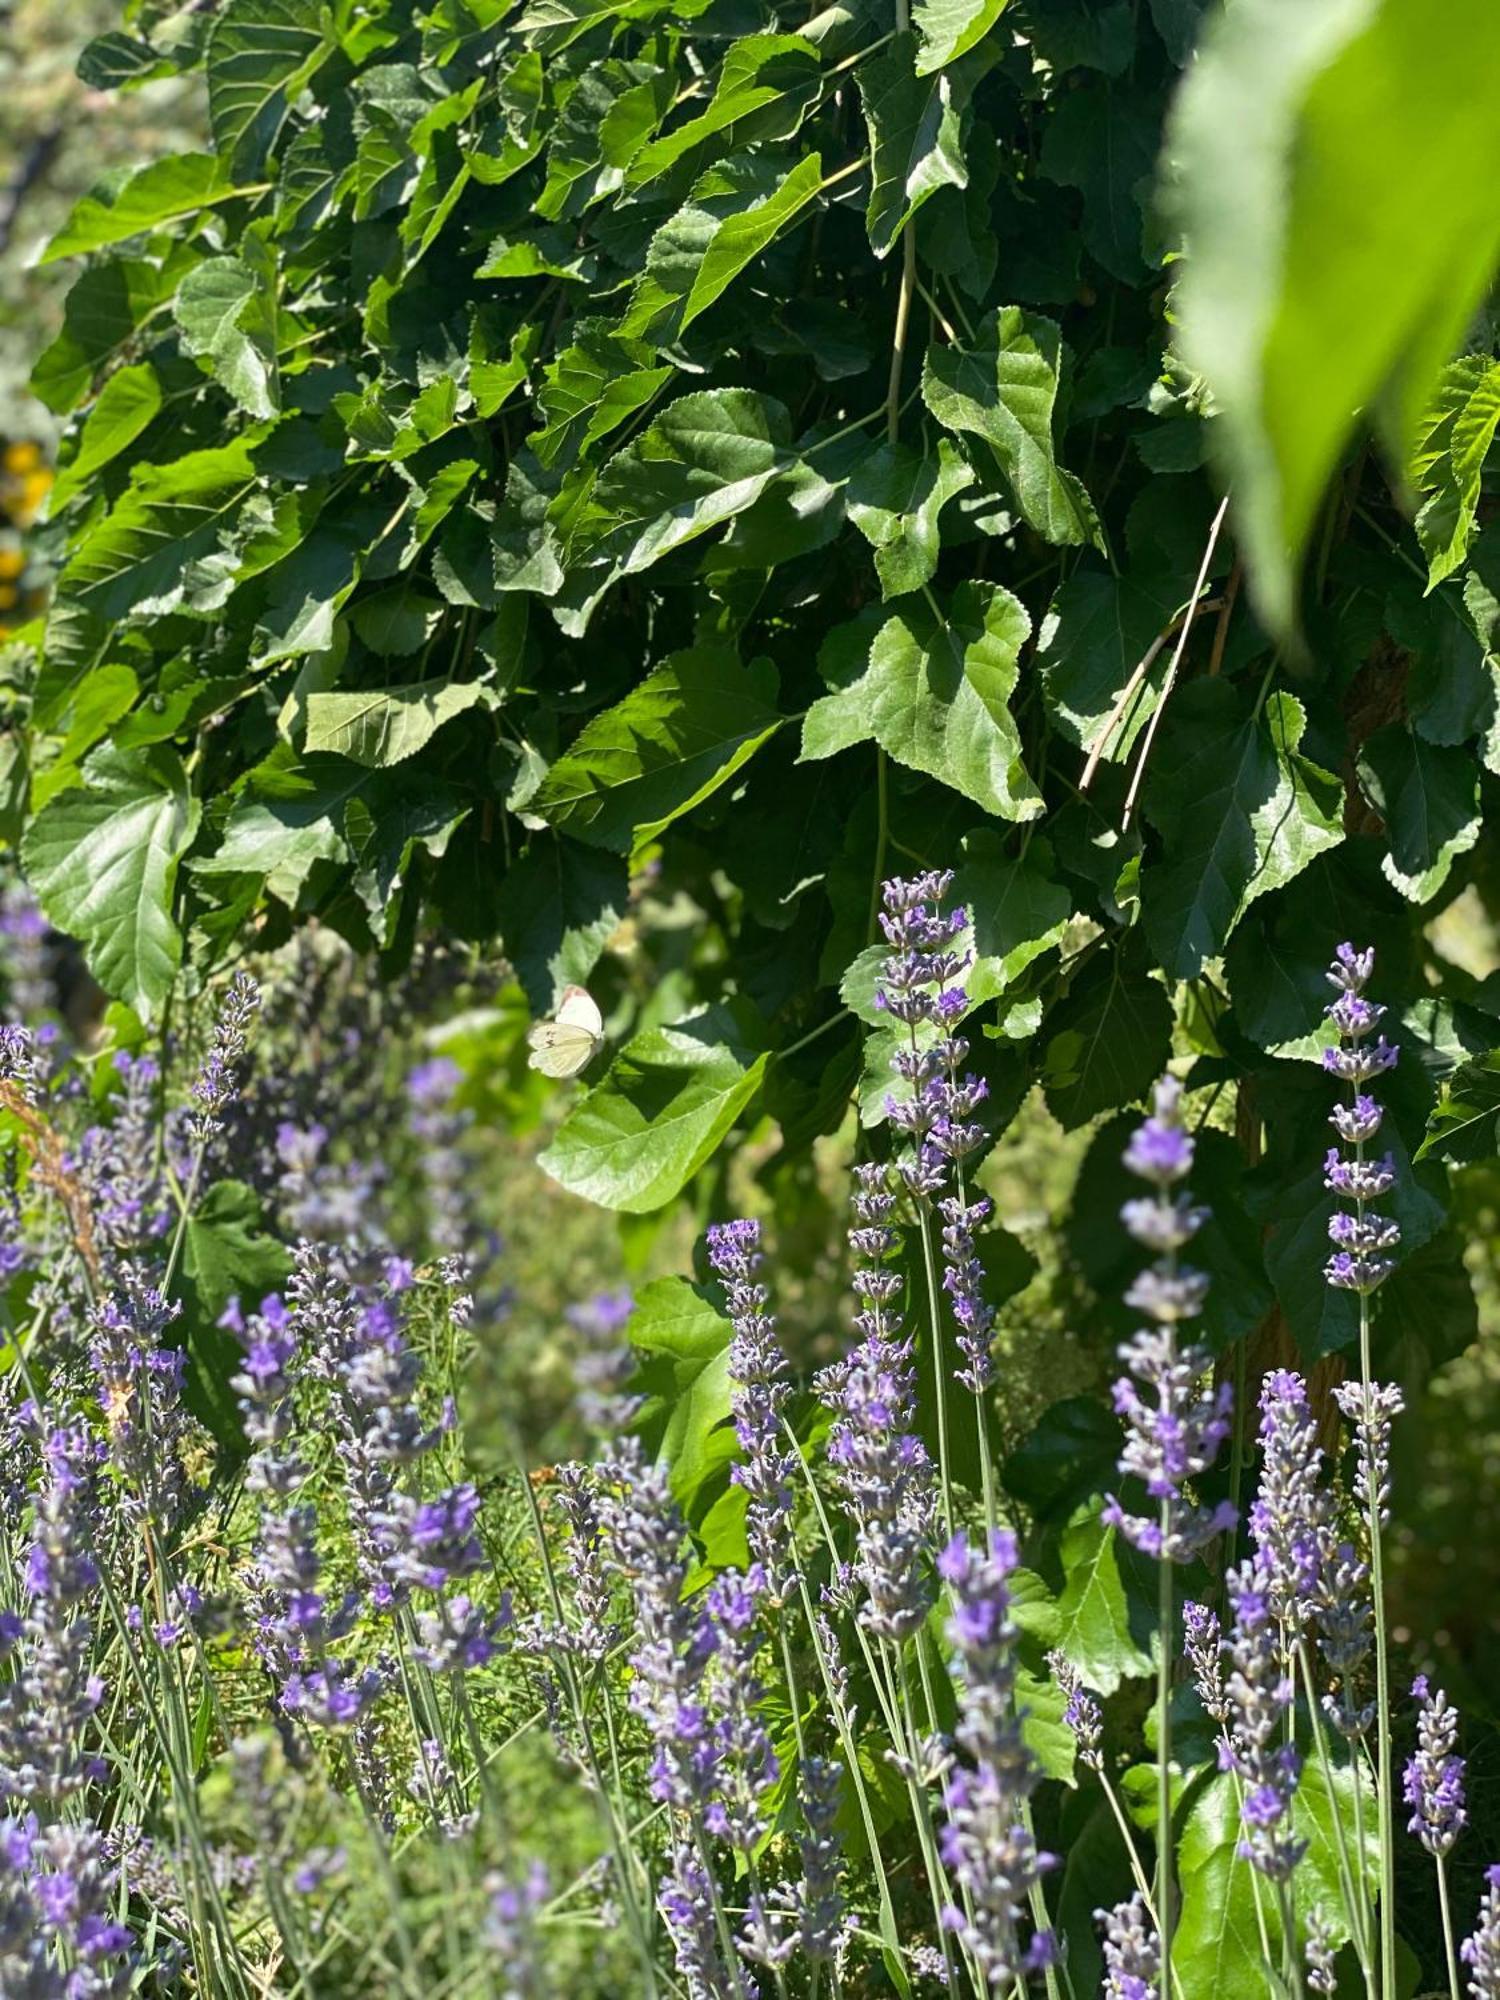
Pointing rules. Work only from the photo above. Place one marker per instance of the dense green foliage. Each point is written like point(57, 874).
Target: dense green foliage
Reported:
point(540, 461)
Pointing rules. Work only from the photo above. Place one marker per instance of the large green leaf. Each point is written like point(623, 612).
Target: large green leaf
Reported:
point(1018, 909)
point(669, 1099)
point(1003, 388)
point(894, 497)
point(1457, 431)
point(763, 87)
point(916, 143)
point(103, 861)
point(181, 185)
point(1465, 1122)
point(259, 53)
point(682, 1339)
point(1099, 1618)
point(385, 726)
point(558, 907)
point(1334, 169)
point(1105, 1043)
point(109, 301)
point(127, 403)
point(673, 741)
point(1218, 1948)
point(1428, 795)
point(934, 692)
point(1099, 630)
point(1241, 812)
point(228, 319)
point(287, 820)
point(706, 458)
point(170, 516)
point(950, 28)
point(734, 212)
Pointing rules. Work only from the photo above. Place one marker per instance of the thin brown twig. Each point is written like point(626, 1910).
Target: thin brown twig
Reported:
point(1122, 701)
point(1226, 607)
point(1171, 675)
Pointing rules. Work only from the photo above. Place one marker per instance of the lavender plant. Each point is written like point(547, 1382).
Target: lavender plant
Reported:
point(275, 1705)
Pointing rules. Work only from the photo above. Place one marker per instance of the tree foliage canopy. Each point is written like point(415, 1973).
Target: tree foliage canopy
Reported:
point(551, 465)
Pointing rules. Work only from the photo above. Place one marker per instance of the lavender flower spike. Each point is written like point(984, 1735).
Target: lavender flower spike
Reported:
point(985, 1845)
point(1361, 1260)
point(1175, 1436)
point(1289, 1519)
point(1434, 1780)
point(1480, 1951)
point(1260, 1694)
point(758, 1395)
point(1132, 1951)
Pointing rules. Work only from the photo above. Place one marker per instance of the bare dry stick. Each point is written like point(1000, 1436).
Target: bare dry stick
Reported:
point(1122, 701)
point(1181, 648)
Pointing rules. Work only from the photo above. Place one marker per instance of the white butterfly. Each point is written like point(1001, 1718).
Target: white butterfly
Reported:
point(570, 1041)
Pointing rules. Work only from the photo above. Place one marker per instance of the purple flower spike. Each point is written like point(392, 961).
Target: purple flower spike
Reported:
point(1434, 1779)
point(1174, 1430)
point(1362, 1257)
point(1259, 1695)
point(1480, 1951)
point(758, 1395)
point(985, 1845)
point(1132, 1951)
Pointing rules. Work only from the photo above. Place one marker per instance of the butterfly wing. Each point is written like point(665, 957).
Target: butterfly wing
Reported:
point(566, 1044)
point(578, 1009)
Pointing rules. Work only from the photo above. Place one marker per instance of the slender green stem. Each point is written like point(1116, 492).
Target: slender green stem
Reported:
point(1382, 1690)
point(1448, 1945)
point(1355, 1901)
point(1164, 1907)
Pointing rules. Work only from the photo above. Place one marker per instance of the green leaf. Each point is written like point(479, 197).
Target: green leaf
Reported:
point(1104, 1044)
point(228, 319)
point(260, 52)
point(916, 144)
point(933, 691)
point(107, 303)
point(127, 403)
point(591, 388)
point(1465, 1122)
point(735, 211)
point(1004, 389)
point(1018, 910)
point(693, 722)
point(226, 1253)
point(170, 516)
point(894, 497)
point(683, 1339)
point(1428, 796)
point(1069, 1455)
point(1218, 1945)
point(385, 726)
point(558, 907)
point(1240, 812)
point(670, 1097)
point(286, 822)
point(1456, 433)
point(1104, 142)
point(103, 859)
point(1096, 634)
point(706, 458)
point(764, 85)
point(950, 28)
point(1334, 169)
point(183, 184)
point(1100, 1624)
